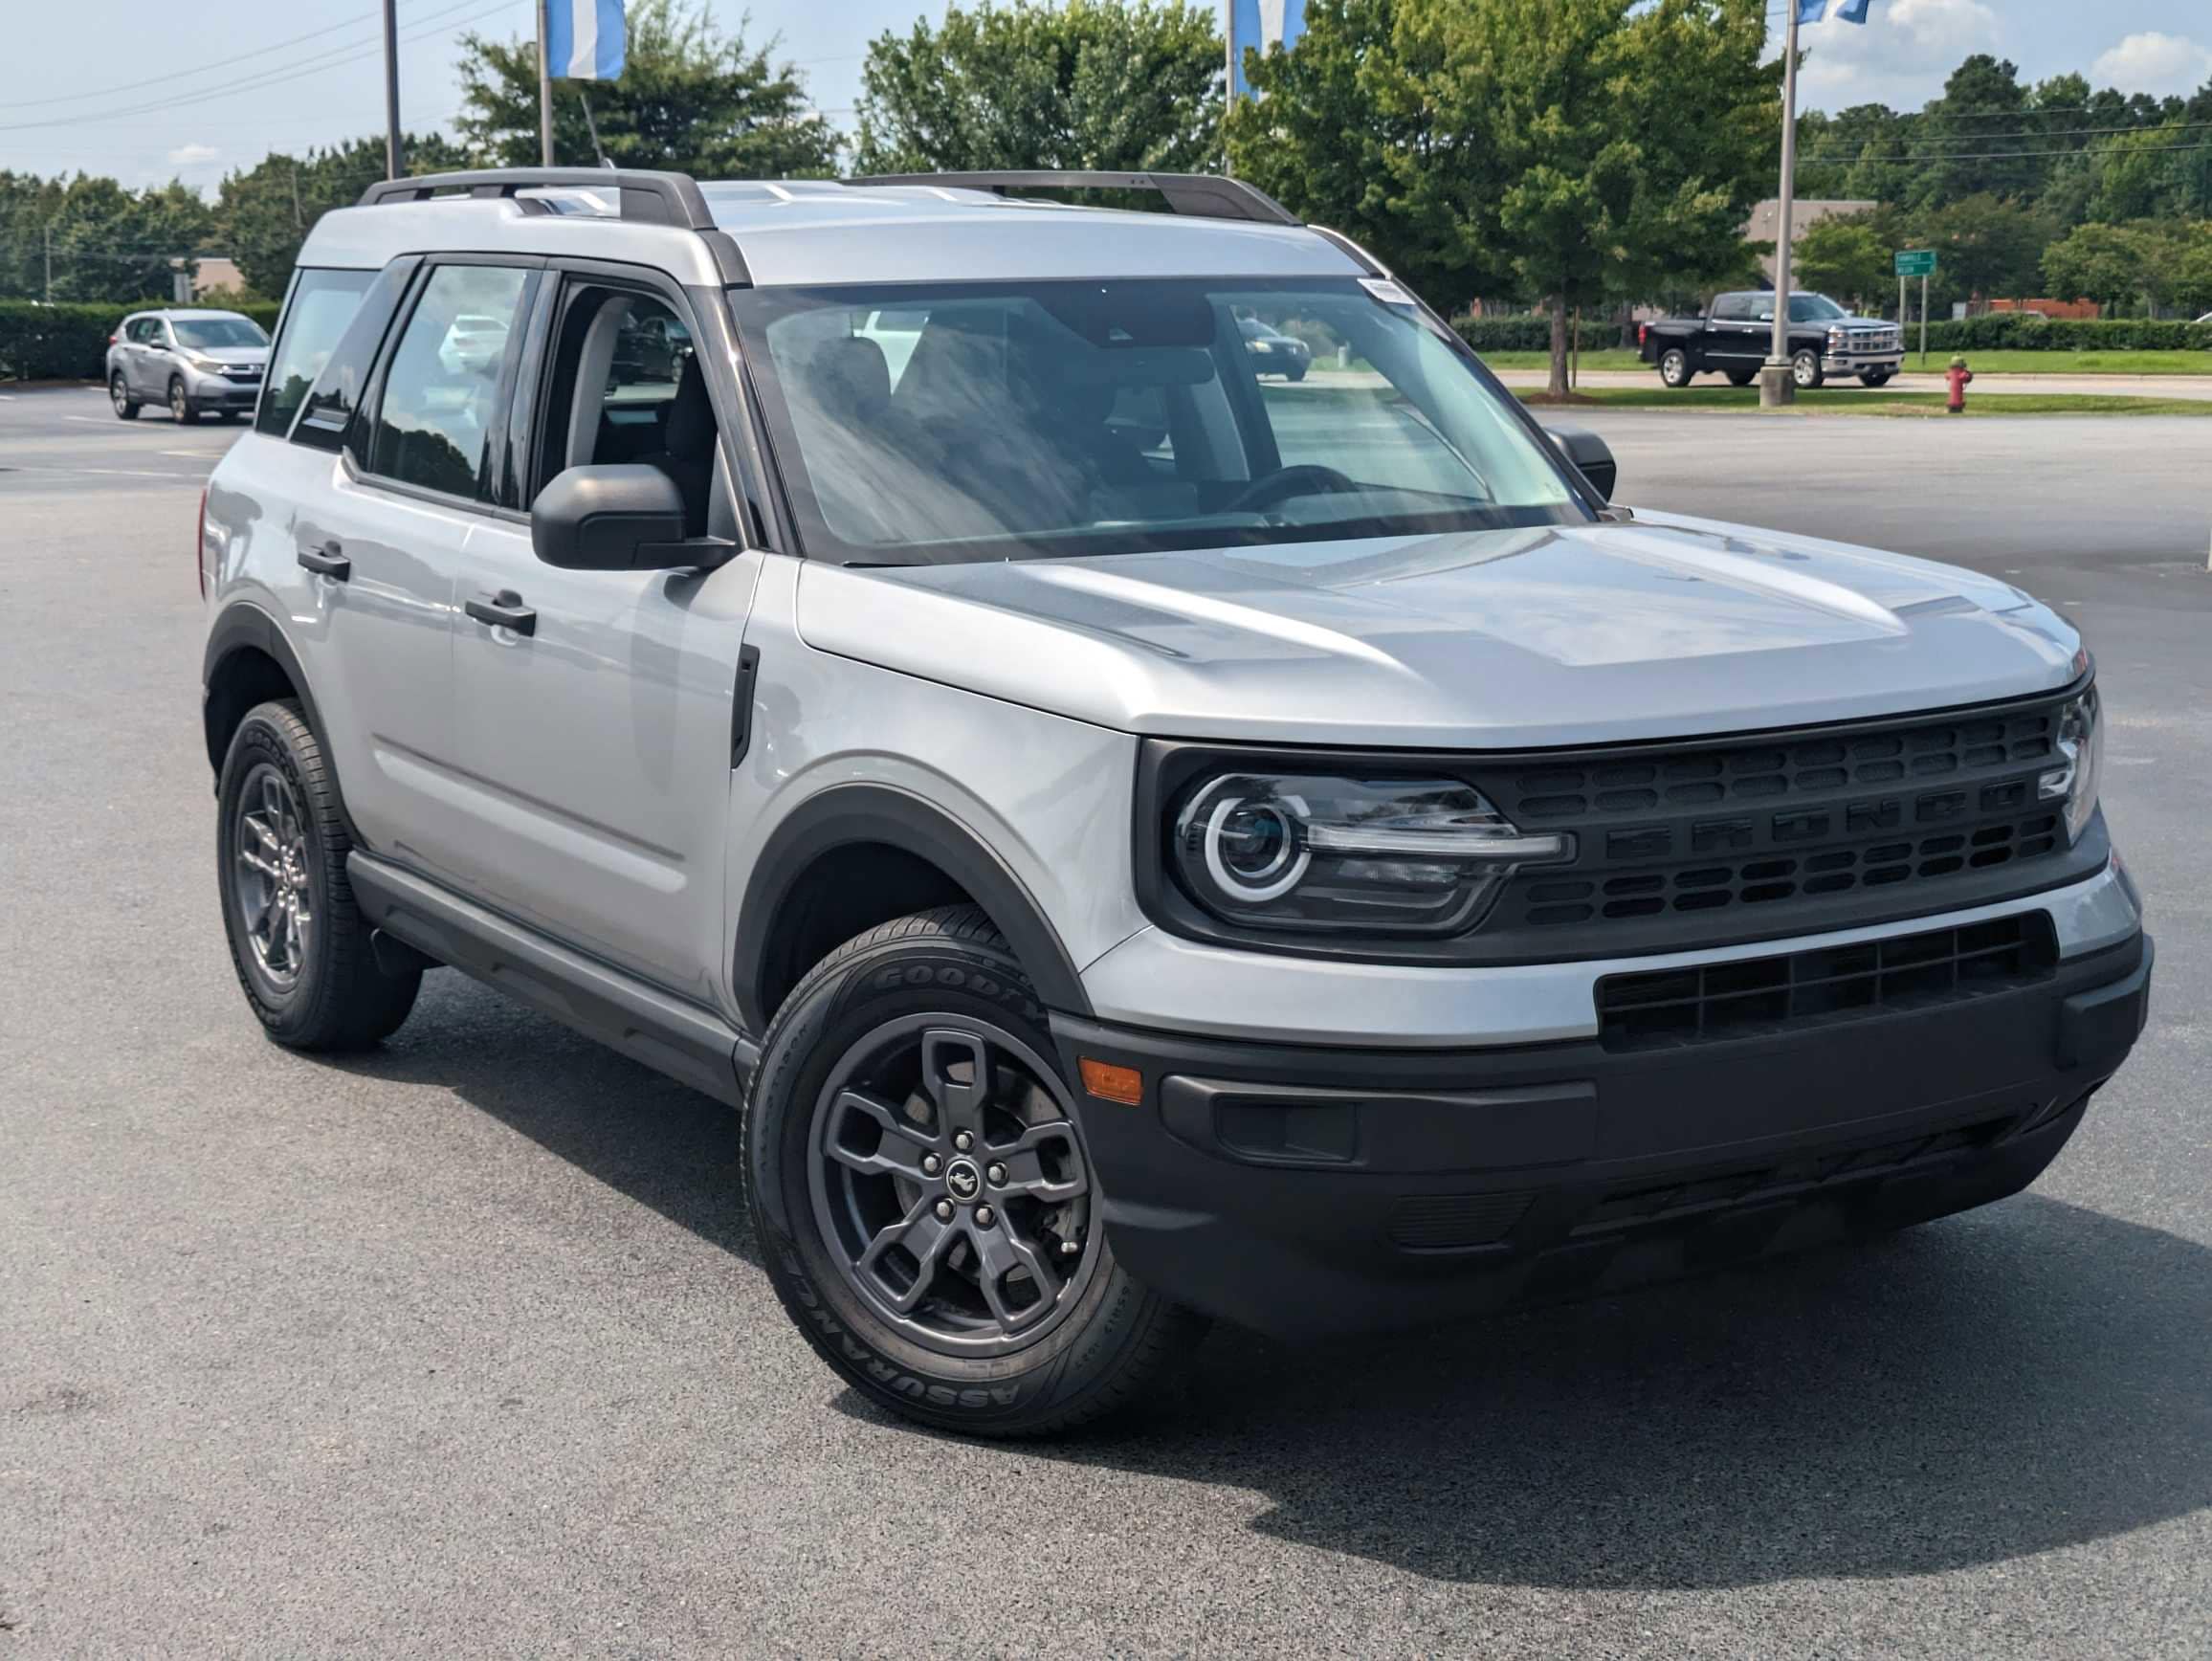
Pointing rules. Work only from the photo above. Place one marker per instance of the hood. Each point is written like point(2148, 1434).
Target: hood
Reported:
point(1588, 634)
point(256, 356)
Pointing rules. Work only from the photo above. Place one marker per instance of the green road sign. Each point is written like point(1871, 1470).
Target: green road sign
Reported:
point(1915, 261)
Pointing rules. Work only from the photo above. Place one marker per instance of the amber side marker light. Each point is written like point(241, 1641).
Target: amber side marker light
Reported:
point(1110, 1083)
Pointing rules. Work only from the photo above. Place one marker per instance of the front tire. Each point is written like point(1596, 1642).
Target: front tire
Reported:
point(126, 406)
point(297, 940)
point(1804, 368)
point(1741, 377)
point(924, 1198)
point(1675, 366)
point(1876, 377)
point(181, 404)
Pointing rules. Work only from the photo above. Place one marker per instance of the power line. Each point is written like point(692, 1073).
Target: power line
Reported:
point(311, 65)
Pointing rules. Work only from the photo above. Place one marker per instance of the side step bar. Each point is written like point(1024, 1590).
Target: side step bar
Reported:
point(693, 1046)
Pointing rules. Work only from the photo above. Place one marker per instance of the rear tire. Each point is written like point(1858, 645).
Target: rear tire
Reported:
point(1675, 366)
point(297, 940)
point(126, 406)
point(181, 405)
point(906, 1254)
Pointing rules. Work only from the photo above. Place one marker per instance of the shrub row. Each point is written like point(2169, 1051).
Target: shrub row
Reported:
point(68, 342)
point(1530, 334)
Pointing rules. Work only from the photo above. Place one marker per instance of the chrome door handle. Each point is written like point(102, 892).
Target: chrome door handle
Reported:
point(504, 610)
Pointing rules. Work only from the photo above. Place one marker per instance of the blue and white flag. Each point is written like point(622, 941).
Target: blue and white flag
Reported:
point(1259, 24)
point(1809, 10)
point(1851, 12)
point(584, 40)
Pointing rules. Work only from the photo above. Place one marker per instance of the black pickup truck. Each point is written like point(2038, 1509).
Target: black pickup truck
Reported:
point(1737, 332)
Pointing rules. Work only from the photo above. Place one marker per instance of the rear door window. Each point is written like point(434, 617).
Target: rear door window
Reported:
point(441, 394)
point(338, 390)
point(315, 320)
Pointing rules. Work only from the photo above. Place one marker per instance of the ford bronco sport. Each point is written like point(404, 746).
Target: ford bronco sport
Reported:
point(1138, 836)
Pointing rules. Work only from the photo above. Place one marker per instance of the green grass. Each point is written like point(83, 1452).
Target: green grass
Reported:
point(2015, 363)
point(1858, 401)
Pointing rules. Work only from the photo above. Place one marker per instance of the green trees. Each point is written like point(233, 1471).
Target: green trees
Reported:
point(97, 239)
point(1844, 258)
point(1577, 150)
point(690, 99)
point(2150, 263)
point(267, 210)
point(1092, 84)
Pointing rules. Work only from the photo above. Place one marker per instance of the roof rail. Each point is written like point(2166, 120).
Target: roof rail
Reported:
point(1200, 195)
point(645, 196)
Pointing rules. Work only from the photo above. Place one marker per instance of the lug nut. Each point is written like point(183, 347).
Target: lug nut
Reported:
point(1069, 1248)
point(944, 1211)
point(984, 1216)
point(930, 1164)
point(997, 1175)
point(964, 1142)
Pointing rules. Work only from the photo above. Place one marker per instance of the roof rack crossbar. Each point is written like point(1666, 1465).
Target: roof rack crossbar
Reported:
point(653, 198)
point(1200, 195)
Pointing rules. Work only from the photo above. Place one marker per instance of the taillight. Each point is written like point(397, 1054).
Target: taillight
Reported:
point(1643, 333)
point(200, 544)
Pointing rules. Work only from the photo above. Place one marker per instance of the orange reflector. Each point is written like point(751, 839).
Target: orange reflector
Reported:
point(1110, 1083)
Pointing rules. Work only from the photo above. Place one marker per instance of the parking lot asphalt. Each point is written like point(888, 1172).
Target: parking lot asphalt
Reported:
point(462, 1347)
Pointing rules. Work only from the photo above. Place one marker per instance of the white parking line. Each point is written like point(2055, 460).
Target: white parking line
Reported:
point(112, 473)
point(88, 420)
point(189, 454)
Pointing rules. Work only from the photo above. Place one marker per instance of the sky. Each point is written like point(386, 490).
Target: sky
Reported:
point(148, 90)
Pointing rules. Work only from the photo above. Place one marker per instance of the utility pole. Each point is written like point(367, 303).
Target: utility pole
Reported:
point(49, 228)
point(394, 164)
point(545, 92)
point(1776, 389)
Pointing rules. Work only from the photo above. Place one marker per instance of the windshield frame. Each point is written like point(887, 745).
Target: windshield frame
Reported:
point(754, 309)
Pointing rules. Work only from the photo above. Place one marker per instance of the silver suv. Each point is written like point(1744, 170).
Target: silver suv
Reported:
point(193, 363)
point(1138, 836)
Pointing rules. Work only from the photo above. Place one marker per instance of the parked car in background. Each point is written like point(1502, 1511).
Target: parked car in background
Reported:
point(472, 342)
point(1275, 353)
point(1736, 332)
point(194, 362)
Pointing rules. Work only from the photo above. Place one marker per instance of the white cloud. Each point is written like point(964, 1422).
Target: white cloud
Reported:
point(2153, 62)
point(1899, 57)
point(192, 155)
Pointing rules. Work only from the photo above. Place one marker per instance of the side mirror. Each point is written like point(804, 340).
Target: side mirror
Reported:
point(615, 518)
point(1588, 452)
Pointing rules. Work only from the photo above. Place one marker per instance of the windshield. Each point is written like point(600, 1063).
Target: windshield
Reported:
point(211, 333)
point(1814, 308)
point(993, 421)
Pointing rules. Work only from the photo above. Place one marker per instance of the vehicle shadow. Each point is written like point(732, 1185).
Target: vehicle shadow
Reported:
point(2028, 1377)
point(659, 1143)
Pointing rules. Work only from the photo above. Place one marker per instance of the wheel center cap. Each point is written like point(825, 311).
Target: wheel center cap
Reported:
point(962, 1180)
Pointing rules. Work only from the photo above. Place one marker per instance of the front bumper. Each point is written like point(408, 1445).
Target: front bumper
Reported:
point(1861, 363)
point(221, 392)
point(1300, 1188)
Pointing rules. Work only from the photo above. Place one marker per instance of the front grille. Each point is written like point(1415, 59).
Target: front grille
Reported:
point(1693, 841)
point(1664, 1008)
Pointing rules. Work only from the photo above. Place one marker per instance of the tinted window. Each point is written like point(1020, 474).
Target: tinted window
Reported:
point(1814, 308)
point(140, 331)
point(1732, 308)
point(440, 394)
point(338, 389)
point(323, 303)
point(208, 334)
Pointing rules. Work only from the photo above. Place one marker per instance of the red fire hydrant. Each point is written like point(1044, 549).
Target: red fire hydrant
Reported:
point(1955, 378)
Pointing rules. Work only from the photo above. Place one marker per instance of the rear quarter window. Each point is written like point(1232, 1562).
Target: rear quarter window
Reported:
point(315, 317)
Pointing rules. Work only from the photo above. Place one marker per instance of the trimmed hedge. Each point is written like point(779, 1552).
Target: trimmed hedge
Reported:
point(68, 342)
point(1531, 333)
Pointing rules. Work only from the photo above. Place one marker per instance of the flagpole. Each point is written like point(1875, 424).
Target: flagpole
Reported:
point(545, 91)
point(1775, 386)
point(394, 162)
point(1229, 86)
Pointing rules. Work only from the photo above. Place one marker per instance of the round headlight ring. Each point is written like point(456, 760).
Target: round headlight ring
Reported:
point(1274, 836)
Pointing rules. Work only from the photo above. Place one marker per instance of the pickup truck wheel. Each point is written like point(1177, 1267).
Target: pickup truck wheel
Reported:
point(298, 941)
point(1876, 377)
point(922, 1196)
point(126, 406)
point(1804, 368)
point(1674, 368)
point(1741, 377)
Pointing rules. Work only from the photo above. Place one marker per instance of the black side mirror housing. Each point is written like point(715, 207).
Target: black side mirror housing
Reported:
point(616, 517)
point(1590, 453)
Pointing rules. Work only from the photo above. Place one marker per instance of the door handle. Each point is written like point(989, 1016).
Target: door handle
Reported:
point(504, 610)
point(327, 562)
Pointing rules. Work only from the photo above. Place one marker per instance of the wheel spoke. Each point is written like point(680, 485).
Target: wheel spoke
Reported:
point(1002, 1252)
point(960, 1101)
point(926, 1239)
point(1027, 1173)
point(899, 1149)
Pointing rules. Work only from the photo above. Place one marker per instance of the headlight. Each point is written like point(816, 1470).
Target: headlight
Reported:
point(2074, 779)
point(1376, 857)
point(206, 366)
